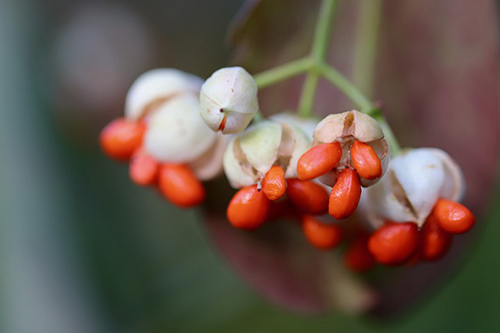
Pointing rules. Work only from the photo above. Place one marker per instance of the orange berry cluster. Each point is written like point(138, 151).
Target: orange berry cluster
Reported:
point(403, 243)
point(278, 197)
point(123, 140)
point(346, 192)
point(394, 243)
point(280, 173)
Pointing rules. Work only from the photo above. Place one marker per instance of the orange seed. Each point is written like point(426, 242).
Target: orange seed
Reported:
point(394, 243)
point(453, 217)
point(319, 160)
point(323, 236)
point(365, 161)
point(345, 195)
point(274, 184)
point(120, 138)
point(179, 185)
point(435, 241)
point(357, 257)
point(307, 196)
point(248, 208)
point(143, 168)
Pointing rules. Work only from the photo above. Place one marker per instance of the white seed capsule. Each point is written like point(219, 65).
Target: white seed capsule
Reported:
point(176, 133)
point(346, 128)
point(209, 164)
point(228, 100)
point(414, 182)
point(307, 125)
point(348, 124)
point(294, 144)
point(250, 155)
point(156, 86)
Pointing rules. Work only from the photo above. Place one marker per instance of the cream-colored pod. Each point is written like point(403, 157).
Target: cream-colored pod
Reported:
point(416, 179)
point(228, 100)
point(251, 154)
point(176, 133)
point(346, 128)
point(307, 125)
point(353, 124)
point(209, 164)
point(156, 86)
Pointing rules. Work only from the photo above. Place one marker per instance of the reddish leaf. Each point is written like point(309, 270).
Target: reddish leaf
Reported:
point(437, 77)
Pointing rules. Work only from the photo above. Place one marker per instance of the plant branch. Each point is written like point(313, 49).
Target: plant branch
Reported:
point(363, 102)
point(349, 89)
point(316, 66)
point(366, 46)
point(258, 117)
point(282, 72)
point(323, 29)
point(364, 63)
point(318, 55)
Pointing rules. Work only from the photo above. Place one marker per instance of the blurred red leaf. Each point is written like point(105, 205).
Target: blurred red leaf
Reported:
point(437, 74)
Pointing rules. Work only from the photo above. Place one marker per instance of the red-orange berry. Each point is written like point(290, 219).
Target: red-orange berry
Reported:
point(345, 195)
point(323, 236)
point(417, 257)
point(274, 184)
point(357, 257)
point(180, 186)
point(453, 217)
point(222, 125)
point(120, 138)
point(282, 209)
point(394, 243)
point(319, 160)
point(248, 208)
point(434, 240)
point(365, 161)
point(308, 197)
point(143, 168)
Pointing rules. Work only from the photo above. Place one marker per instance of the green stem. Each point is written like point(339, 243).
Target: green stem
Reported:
point(349, 89)
point(364, 64)
point(363, 102)
point(316, 66)
point(389, 135)
point(306, 102)
point(258, 117)
point(318, 55)
point(367, 41)
point(323, 29)
point(282, 72)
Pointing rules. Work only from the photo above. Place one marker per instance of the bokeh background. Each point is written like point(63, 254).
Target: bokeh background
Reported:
point(84, 250)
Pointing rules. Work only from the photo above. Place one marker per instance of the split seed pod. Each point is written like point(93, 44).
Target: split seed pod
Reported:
point(157, 86)
point(346, 128)
point(251, 154)
point(307, 125)
point(166, 100)
point(228, 100)
point(416, 179)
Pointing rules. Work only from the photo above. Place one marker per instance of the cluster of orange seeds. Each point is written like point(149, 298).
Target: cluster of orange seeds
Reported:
point(403, 243)
point(275, 196)
point(283, 168)
point(392, 244)
point(123, 140)
point(346, 192)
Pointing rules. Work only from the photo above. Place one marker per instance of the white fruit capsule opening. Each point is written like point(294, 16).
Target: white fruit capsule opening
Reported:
point(156, 86)
point(176, 133)
point(414, 182)
point(250, 155)
point(346, 128)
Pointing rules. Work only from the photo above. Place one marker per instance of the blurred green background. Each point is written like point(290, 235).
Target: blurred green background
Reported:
point(85, 250)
